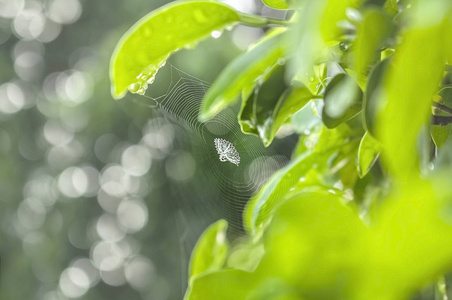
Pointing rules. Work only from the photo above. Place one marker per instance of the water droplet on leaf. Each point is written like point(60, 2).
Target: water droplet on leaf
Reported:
point(344, 46)
point(216, 34)
point(141, 91)
point(134, 87)
point(151, 80)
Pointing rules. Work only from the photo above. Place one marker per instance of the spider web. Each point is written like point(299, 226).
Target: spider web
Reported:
point(232, 184)
point(217, 189)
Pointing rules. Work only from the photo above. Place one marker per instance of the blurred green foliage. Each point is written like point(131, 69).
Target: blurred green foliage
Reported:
point(336, 222)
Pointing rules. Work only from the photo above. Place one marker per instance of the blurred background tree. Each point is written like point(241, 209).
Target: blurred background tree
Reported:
point(91, 202)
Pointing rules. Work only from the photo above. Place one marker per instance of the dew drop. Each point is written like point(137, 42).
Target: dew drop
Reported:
point(134, 87)
point(311, 79)
point(216, 34)
point(344, 46)
point(260, 80)
point(151, 80)
point(281, 61)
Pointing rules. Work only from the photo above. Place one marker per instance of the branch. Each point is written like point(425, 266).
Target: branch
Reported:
point(441, 120)
point(442, 107)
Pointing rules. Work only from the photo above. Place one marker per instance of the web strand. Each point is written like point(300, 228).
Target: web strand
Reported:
point(232, 184)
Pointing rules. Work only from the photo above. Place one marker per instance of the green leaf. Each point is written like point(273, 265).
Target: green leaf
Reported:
point(321, 248)
point(307, 42)
point(372, 32)
point(440, 134)
point(146, 46)
point(445, 96)
point(276, 4)
point(448, 43)
point(391, 7)
point(243, 73)
point(271, 104)
point(411, 82)
point(210, 251)
point(313, 33)
point(255, 116)
point(261, 206)
point(410, 241)
point(246, 256)
point(334, 12)
point(342, 99)
point(305, 119)
point(369, 149)
point(273, 288)
point(222, 285)
point(372, 103)
point(313, 244)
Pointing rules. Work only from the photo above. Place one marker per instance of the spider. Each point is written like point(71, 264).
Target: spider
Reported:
point(226, 151)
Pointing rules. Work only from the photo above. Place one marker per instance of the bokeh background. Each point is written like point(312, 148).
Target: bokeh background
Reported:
point(93, 202)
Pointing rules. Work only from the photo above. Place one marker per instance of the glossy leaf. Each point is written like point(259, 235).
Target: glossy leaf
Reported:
point(372, 32)
point(255, 116)
point(271, 104)
point(146, 46)
point(373, 103)
point(440, 134)
point(314, 31)
point(334, 12)
point(369, 150)
point(222, 285)
point(323, 250)
point(276, 4)
point(307, 142)
point(408, 98)
point(307, 42)
point(315, 239)
point(273, 288)
point(246, 256)
point(305, 119)
point(261, 207)
point(210, 251)
point(410, 242)
point(343, 100)
point(445, 96)
point(391, 7)
point(242, 73)
point(448, 42)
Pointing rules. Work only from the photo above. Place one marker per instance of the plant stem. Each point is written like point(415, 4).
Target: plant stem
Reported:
point(440, 289)
point(259, 21)
point(441, 120)
point(442, 107)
